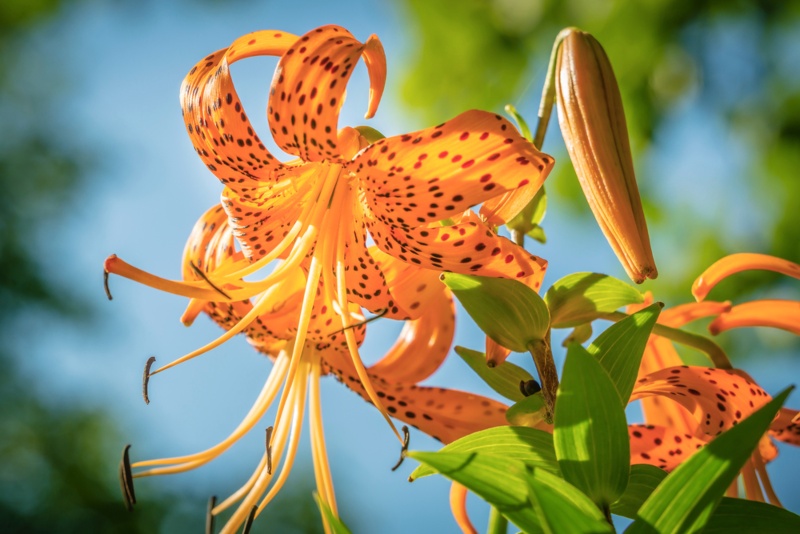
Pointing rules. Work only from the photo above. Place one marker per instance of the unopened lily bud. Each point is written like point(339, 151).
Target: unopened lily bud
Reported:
point(593, 126)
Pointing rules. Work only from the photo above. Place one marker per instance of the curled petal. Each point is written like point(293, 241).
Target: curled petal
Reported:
point(661, 446)
point(467, 247)
point(458, 505)
point(423, 343)
point(786, 427)
point(433, 174)
point(309, 87)
point(717, 398)
point(686, 313)
point(736, 263)
point(783, 314)
point(218, 127)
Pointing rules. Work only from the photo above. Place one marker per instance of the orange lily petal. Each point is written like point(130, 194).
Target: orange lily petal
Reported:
point(783, 314)
point(468, 247)
point(423, 343)
point(218, 127)
point(439, 172)
point(661, 446)
point(786, 427)
point(736, 263)
point(308, 90)
point(717, 398)
point(678, 316)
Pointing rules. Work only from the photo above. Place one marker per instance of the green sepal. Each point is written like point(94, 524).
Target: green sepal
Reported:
point(582, 297)
point(503, 378)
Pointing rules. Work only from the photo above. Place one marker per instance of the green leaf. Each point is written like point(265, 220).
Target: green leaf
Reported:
point(508, 311)
point(751, 517)
point(530, 411)
point(561, 507)
point(499, 480)
point(591, 434)
point(336, 525)
point(580, 334)
point(581, 297)
point(529, 219)
point(537, 233)
point(529, 445)
point(620, 348)
point(643, 481)
point(503, 378)
point(688, 496)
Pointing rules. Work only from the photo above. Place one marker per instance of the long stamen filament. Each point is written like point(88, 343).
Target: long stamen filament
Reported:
point(318, 448)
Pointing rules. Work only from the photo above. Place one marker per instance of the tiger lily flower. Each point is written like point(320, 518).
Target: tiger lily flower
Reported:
point(685, 407)
point(311, 219)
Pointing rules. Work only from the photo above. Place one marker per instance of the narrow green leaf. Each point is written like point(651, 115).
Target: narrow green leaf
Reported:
point(530, 411)
point(503, 378)
point(561, 507)
point(620, 348)
point(688, 496)
point(643, 481)
point(499, 480)
point(336, 525)
point(529, 445)
point(508, 311)
point(580, 297)
point(591, 434)
point(580, 334)
point(751, 517)
point(537, 233)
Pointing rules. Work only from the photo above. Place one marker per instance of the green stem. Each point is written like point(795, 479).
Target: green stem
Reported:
point(703, 344)
point(498, 524)
point(549, 91)
point(546, 368)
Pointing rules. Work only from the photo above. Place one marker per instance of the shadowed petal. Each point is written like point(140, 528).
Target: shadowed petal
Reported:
point(309, 86)
point(661, 446)
point(217, 125)
point(433, 174)
point(786, 427)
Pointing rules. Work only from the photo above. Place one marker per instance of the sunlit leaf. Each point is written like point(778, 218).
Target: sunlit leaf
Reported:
point(528, 412)
point(688, 496)
point(531, 446)
point(643, 481)
point(508, 311)
point(591, 434)
point(580, 297)
point(335, 524)
point(503, 378)
point(620, 348)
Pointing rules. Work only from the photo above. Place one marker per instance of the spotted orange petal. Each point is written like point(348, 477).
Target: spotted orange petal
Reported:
point(717, 398)
point(786, 427)
point(783, 314)
point(468, 247)
point(423, 343)
point(217, 125)
point(661, 446)
point(309, 86)
point(736, 263)
point(437, 173)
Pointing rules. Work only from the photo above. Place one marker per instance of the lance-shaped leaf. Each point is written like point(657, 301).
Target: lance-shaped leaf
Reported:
point(591, 435)
point(500, 481)
point(508, 311)
point(751, 517)
point(534, 447)
point(561, 507)
point(504, 378)
point(581, 297)
point(620, 348)
point(687, 498)
point(335, 524)
point(593, 125)
point(644, 479)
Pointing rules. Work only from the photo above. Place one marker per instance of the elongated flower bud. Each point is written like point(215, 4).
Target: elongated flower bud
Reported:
point(593, 126)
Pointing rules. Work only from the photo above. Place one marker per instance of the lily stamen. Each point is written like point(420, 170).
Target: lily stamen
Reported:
point(146, 378)
point(404, 449)
point(202, 275)
point(268, 442)
point(209, 516)
point(126, 479)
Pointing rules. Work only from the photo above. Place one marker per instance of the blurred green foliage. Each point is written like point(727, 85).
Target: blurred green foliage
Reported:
point(735, 59)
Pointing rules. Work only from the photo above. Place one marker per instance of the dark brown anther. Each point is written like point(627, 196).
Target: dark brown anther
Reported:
point(249, 523)
point(146, 378)
point(362, 323)
point(529, 387)
point(406, 438)
point(212, 502)
point(269, 450)
point(105, 285)
point(126, 479)
point(202, 275)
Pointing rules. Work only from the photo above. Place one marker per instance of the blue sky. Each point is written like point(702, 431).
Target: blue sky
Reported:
point(125, 67)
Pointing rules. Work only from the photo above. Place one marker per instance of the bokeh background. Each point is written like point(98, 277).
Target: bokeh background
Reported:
point(94, 160)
